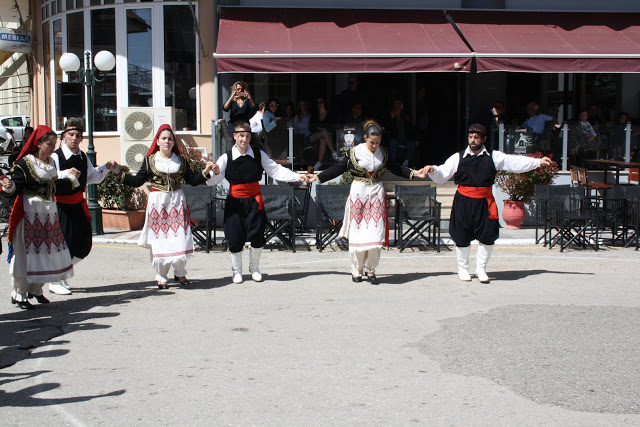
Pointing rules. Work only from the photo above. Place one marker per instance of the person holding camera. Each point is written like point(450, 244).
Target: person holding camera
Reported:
point(240, 105)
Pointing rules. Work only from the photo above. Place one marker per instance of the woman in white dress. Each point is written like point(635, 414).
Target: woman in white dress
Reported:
point(166, 229)
point(366, 222)
point(37, 249)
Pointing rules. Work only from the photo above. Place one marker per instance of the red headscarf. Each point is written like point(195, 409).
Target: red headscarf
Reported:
point(31, 146)
point(154, 145)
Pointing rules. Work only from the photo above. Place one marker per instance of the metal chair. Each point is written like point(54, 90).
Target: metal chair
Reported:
point(202, 213)
point(627, 218)
point(279, 205)
point(330, 204)
point(572, 217)
point(418, 209)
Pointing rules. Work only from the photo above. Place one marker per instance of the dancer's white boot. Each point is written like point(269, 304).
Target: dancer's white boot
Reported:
point(462, 255)
point(484, 252)
point(254, 261)
point(236, 267)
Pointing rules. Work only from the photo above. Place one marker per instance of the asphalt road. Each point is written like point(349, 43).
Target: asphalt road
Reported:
point(553, 340)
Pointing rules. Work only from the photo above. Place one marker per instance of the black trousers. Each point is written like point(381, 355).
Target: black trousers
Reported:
point(470, 221)
point(75, 229)
point(243, 222)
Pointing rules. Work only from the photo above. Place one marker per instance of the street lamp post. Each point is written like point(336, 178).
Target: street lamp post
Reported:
point(88, 75)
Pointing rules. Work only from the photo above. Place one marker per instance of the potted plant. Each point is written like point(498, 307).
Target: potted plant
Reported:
point(520, 187)
point(123, 206)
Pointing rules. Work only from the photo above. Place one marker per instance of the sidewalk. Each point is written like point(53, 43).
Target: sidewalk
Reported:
point(524, 236)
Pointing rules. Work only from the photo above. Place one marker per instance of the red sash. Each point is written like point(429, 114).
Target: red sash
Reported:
point(17, 213)
point(74, 199)
point(242, 191)
point(481, 193)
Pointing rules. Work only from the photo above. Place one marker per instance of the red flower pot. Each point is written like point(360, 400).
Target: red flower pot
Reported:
point(513, 214)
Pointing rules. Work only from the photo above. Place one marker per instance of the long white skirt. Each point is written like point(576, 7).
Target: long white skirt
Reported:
point(365, 217)
point(166, 229)
point(40, 253)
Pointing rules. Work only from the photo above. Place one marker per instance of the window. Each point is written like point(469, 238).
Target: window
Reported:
point(103, 37)
point(180, 65)
point(46, 52)
point(57, 50)
point(139, 57)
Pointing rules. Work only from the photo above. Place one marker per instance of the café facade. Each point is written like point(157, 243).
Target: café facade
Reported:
point(177, 60)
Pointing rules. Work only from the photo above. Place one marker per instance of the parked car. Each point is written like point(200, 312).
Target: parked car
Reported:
point(6, 140)
point(16, 123)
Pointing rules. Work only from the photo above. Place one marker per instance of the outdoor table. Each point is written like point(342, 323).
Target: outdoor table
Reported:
point(614, 165)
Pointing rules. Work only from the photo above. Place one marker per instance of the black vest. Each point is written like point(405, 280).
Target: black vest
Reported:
point(244, 169)
point(76, 161)
point(475, 171)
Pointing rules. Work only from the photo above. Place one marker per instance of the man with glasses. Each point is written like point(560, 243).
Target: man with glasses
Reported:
point(244, 216)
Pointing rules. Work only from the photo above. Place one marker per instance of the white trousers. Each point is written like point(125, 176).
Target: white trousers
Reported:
point(162, 269)
point(363, 262)
point(21, 287)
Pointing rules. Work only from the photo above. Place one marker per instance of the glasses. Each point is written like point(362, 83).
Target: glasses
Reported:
point(273, 105)
point(241, 132)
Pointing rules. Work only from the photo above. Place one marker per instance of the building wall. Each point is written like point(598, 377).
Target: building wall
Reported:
point(14, 80)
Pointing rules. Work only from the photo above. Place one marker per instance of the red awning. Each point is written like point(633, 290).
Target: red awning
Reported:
point(552, 42)
point(273, 40)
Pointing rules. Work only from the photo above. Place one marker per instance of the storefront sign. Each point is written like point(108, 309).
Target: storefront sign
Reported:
point(15, 40)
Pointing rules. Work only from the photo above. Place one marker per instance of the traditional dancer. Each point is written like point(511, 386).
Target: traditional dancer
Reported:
point(244, 216)
point(37, 251)
point(474, 214)
point(73, 212)
point(367, 199)
point(166, 229)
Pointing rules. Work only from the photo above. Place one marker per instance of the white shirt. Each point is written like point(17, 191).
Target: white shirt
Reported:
point(502, 161)
point(94, 176)
point(368, 160)
point(272, 169)
point(170, 165)
point(255, 122)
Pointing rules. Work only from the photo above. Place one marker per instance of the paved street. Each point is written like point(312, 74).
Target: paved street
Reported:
point(553, 340)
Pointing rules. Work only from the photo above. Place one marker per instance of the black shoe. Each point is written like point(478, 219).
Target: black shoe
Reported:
point(373, 279)
point(25, 305)
point(163, 286)
point(356, 279)
point(40, 298)
point(184, 282)
point(13, 300)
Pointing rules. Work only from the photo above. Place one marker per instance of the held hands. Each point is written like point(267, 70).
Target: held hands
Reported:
point(214, 167)
point(113, 166)
point(425, 170)
point(6, 183)
point(311, 177)
point(209, 168)
point(74, 172)
point(420, 173)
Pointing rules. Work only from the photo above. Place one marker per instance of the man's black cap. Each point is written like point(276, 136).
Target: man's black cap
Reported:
point(477, 128)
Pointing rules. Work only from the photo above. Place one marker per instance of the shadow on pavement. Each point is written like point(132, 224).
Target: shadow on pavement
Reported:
point(521, 274)
point(25, 397)
point(21, 331)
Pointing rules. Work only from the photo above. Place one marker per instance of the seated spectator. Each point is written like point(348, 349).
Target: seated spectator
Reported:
point(320, 132)
point(356, 118)
point(585, 126)
point(302, 119)
point(289, 114)
point(275, 132)
point(536, 119)
point(399, 130)
point(618, 138)
point(270, 115)
point(256, 122)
